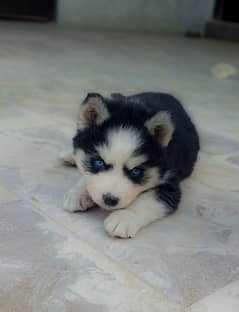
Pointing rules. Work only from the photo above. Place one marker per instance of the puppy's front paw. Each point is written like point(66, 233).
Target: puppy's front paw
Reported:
point(73, 201)
point(86, 202)
point(122, 223)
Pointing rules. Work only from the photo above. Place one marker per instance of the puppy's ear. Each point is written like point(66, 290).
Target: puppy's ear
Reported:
point(161, 126)
point(93, 111)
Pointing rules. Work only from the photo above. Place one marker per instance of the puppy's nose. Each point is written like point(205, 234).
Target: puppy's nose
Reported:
point(110, 200)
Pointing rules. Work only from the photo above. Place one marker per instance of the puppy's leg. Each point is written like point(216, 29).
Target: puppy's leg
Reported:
point(148, 207)
point(78, 199)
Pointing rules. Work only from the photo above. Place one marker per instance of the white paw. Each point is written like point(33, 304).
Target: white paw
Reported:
point(122, 223)
point(86, 202)
point(74, 201)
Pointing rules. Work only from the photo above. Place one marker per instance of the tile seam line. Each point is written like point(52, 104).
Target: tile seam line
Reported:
point(108, 262)
point(189, 307)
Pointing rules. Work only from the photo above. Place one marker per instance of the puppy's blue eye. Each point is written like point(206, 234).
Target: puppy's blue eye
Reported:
point(135, 172)
point(99, 164)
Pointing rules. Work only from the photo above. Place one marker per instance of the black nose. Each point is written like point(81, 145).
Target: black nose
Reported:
point(110, 200)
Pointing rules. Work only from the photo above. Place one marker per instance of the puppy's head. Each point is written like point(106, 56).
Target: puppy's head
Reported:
point(119, 156)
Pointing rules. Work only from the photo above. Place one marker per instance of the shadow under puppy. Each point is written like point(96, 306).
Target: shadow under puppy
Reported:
point(133, 152)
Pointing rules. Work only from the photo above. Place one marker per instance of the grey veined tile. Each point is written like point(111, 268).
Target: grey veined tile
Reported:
point(44, 268)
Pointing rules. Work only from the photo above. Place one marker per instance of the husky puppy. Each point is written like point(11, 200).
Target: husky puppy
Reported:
point(133, 152)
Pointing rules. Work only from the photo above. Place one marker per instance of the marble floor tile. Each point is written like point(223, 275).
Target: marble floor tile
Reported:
point(51, 260)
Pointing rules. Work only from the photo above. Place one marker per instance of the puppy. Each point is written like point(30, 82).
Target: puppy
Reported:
point(132, 152)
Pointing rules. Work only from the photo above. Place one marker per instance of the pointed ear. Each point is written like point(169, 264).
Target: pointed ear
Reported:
point(161, 126)
point(93, 111)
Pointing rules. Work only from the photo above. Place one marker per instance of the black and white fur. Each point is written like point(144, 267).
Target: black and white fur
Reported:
point(133, 152)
